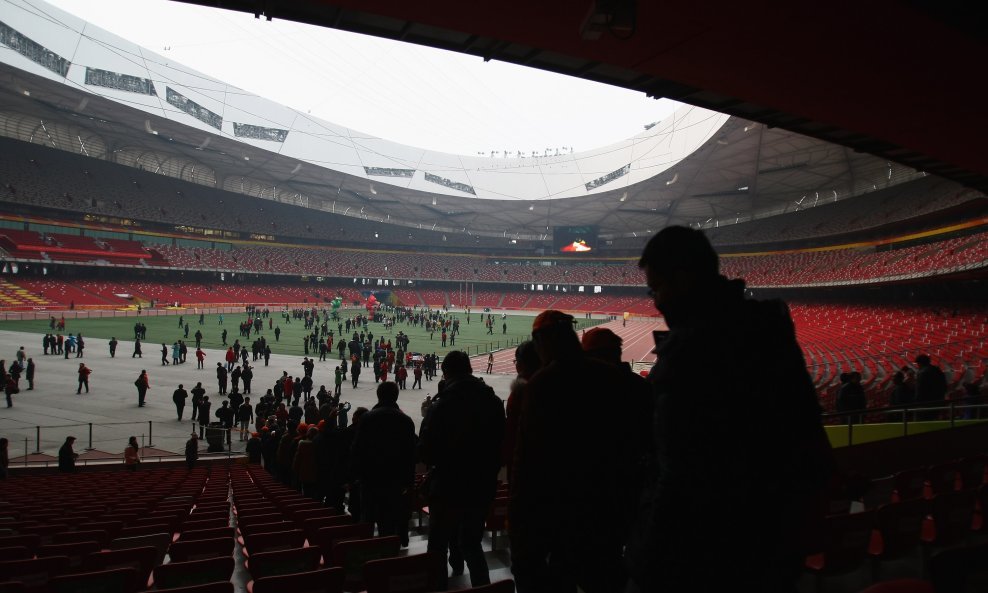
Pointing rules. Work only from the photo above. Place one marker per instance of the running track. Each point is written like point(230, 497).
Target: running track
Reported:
point(637, 338)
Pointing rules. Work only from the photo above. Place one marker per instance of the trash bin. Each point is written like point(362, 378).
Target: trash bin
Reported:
point(215, 436)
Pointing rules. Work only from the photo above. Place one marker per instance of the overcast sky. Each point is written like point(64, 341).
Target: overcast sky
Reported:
point(402, 92)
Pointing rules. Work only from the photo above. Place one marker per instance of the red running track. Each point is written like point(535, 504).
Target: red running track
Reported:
point(638, 345)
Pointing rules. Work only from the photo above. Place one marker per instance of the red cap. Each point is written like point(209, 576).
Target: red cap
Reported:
point(600, 338)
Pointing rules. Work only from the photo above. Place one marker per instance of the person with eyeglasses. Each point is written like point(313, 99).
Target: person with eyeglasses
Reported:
point(743, 462)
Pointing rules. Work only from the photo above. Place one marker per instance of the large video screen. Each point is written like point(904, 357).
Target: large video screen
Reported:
point(574, 239)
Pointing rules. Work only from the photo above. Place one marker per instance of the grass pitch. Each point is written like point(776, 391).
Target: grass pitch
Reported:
point(472, 338)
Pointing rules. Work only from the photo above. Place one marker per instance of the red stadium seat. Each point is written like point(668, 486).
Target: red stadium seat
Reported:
point(201, 549)
point(327, 580)
point(195, 572)
point(407, 574)
point(119, 580)
point(351, 555)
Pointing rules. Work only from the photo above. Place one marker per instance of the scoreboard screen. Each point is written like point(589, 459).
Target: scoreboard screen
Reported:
point(574, 239)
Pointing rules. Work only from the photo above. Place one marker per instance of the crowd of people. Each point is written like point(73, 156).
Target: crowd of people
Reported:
point(637, 501)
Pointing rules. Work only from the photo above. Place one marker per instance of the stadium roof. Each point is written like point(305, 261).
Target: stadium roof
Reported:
point(694, 168)
point(894, 78)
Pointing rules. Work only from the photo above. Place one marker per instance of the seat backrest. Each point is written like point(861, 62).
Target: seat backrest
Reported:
point(158, 541)
point(306, 513)
point(264, 564)
point(245, 519)
point(900, 524)
point(220, 587)
point(901, 586)
point(327, 580)
point(497, 516)
point(352, 554)
point(145, 529)
point(910, 483)
point(195, 572)
point(254, 528)
point(75, 551)
point(312, 526)
point(207, 515)
point(953, 514)
point(418, 573)
point(213, 533)
point(94, 535)
point(201, 549)
point(275, 540)
point(960, 568)
point(192, 525)
point(15, 553)
point(140, 559)
point(846, 541)
point(326, 537)
point(34, 573)
point(28, 540)
point(110, 527)
point(118, 580)
point(505, 586)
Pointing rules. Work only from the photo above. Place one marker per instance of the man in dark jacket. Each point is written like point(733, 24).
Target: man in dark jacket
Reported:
point(461, 444)
point(221, 374)
point(66, 456)
point(225, 416)
point(179, 396)
point(562, 528)
point(931, 386)
point(383, 460)
point(743, 460)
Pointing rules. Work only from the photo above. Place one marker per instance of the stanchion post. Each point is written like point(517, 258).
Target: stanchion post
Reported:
point(90, 447)
point(150, 433)
point(37, 439)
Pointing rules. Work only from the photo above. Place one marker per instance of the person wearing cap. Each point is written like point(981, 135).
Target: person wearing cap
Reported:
point(253, 448)
point(66, 456)
point(460, 443)
point(743, 460)
point(634, 395)
point(383, 461)
point(566, 482)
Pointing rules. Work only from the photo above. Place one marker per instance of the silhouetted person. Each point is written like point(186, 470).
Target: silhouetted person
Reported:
point(460, 442)
point(383, 461)
point(556, 451)
point(931, 386)
point(743, 460)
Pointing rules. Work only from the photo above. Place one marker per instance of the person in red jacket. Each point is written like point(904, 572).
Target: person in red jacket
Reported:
point(231, 358)
point(384, 371)
point(401, 373)
point(200, 356)
point(143, 383)
point(84, 373)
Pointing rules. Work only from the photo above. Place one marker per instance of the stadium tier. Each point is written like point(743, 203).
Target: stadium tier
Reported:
point(836, 265)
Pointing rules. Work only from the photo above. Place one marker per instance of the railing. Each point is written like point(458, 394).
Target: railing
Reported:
point(904, 420)
point(41, 443)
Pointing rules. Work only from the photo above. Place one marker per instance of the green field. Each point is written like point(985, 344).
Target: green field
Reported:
point(472, 338)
